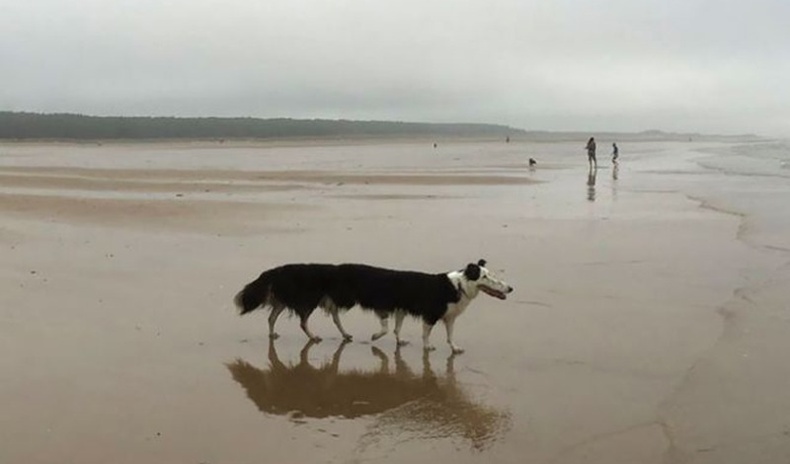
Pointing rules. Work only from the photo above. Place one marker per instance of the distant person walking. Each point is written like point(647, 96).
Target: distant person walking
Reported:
point(615, 153)
point(591, 153)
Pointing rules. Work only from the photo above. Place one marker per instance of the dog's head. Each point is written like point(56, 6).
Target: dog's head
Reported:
point(476, 277)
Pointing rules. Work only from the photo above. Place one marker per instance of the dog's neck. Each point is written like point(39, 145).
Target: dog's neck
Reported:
point(464, 293)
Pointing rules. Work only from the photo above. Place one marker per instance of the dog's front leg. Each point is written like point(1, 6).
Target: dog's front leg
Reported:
point(448, 325)
point(426, 335)
point(303, 325)
point(399, 316)
point(384, 319)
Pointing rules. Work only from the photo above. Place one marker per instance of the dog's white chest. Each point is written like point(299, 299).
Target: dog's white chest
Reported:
point(454, 310)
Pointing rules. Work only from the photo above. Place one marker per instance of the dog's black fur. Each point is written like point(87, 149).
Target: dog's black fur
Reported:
point(301, 288)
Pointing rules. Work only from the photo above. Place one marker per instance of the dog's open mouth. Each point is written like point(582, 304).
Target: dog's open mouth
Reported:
point(494, 293)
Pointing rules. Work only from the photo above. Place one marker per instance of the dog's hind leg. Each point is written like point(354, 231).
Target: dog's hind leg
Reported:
point(306, 330)
point(448, 325)
point(336, 319)
point(399, 316)
point(384, 319)
point(273, 315)
point(426, 336)
point(330, 307)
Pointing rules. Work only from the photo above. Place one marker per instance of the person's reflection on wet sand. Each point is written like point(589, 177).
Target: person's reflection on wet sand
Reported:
point(591, 184)
point(615, 176)
point(427, 405)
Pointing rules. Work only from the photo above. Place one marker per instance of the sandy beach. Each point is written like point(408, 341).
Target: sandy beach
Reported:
point(649, 321)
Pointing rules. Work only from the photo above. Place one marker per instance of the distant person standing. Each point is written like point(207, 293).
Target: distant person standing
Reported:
point(615, 153)
point(591, 153)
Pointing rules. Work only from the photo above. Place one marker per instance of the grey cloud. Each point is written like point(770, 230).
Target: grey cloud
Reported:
point(560, 65)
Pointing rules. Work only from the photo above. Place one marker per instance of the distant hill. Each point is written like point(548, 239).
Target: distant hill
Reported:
point(28, 126)
point(77, 127)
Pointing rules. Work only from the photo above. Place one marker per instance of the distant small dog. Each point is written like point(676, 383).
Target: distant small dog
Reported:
point(301, 288)
point(532, 162)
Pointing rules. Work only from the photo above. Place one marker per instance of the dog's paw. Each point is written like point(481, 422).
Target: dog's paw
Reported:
point(274, 336)
point(315, 339)
point(378, 335)
point(347, 337)
point(428, 348)
point(457, 350)
point(403, 342)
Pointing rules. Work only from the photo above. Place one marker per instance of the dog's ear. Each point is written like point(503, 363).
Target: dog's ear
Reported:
point(472, 271)
point(481, 263)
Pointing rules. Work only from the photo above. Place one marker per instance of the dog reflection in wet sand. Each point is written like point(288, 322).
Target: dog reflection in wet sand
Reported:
point(427, 405)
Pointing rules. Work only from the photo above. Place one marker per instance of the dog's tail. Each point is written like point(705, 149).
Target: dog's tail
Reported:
point(254, 295)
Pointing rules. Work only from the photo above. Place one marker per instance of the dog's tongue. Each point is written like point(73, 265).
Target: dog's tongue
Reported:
point(493, 293)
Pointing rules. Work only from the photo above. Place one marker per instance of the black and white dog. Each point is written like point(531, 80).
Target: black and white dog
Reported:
point(300, 288)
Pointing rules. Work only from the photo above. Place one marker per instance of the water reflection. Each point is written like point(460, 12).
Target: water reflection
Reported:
point(615, 176)
point(425, 405)
point(591, 183)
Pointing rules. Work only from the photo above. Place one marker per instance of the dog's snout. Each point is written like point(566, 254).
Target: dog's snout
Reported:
point(509, 288)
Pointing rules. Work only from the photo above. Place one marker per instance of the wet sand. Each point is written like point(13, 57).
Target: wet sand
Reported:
point(648, 323)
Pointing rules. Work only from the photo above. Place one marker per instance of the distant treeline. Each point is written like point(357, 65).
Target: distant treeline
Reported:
point(16, 125)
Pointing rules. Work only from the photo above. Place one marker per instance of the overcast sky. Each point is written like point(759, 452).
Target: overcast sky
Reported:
point(717, 66)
